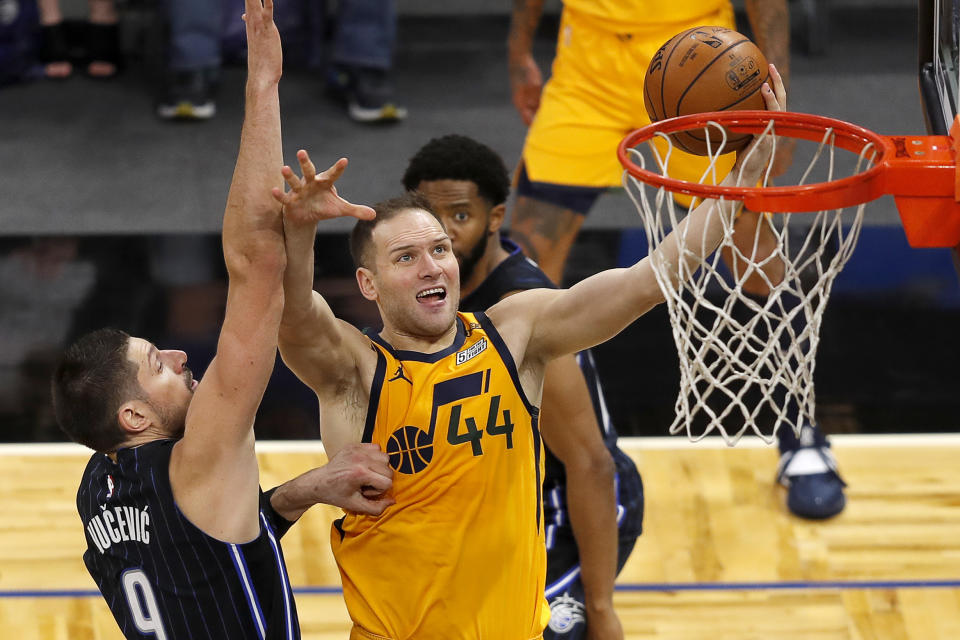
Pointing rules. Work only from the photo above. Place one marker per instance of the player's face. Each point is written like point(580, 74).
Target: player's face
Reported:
point(416, 281)
point(167, 381)
point(465, 214)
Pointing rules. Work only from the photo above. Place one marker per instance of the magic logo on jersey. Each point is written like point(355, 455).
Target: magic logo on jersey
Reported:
point(565, 613)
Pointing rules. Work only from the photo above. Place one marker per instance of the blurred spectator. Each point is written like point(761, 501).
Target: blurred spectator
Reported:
point(361, 43)
point(362, 59)
point(42, 282)
point(193, 60)
point(18, 41)
point(100, 40)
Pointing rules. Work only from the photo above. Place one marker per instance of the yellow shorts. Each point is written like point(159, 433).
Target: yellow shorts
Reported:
point(595, 97)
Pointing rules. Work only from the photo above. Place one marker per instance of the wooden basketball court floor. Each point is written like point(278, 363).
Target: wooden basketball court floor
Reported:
point(720, 557)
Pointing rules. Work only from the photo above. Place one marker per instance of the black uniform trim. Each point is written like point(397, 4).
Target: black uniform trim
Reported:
point(378, 376)
point(278, 523)
point(507, 358)
point(418, 356)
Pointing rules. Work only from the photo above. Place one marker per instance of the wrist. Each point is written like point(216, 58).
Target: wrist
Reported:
point(599, 605)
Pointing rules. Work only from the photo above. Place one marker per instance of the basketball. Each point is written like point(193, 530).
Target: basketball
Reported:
point(705, 69)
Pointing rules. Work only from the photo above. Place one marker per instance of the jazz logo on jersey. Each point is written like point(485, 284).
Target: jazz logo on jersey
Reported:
point(410, 448)
point(472, 352)
point(109, 487)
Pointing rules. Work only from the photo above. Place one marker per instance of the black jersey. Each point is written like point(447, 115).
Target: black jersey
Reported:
point(519, 273)
point(164, 578)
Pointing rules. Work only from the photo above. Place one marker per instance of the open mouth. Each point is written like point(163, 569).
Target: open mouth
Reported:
point(188, 379)
point(436, 294)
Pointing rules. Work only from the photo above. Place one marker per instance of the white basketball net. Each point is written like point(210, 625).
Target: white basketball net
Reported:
point(747, 362)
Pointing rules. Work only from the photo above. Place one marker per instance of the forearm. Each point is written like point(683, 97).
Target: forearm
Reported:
point(592, 505)
point(523, 26)
point(699, 234)
point(298, 277)
point(252, 231)
point(292, 499)
point(770, 21)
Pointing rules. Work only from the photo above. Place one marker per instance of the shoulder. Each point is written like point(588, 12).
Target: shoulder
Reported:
point(515, 315)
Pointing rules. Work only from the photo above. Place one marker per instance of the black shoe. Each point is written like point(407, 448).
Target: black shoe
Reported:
point(809, 472)
point(188, 95)
point(55, 48)
point(368, 94)
point(103, 46)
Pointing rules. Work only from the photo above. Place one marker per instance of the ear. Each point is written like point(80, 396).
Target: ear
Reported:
point(134, 417)
point(368, 289)
point(497, 214)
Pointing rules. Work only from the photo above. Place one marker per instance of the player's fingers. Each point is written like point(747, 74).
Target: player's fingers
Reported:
point(375, 507)
point(779, 90)
point(279, 195)
point(290, 178)
point(372, 453)
point(377, 480)
point(371, 448)
point(306, 165)
point(335, 171)
point(359, 211)
point(769, 97)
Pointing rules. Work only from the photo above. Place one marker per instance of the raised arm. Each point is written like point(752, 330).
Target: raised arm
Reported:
point(213, 470)
point(526, 80)
point(540, 325)
point(319, 348)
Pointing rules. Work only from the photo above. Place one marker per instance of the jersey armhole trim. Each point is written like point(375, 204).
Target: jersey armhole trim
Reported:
point(375, 390)
point(507, 358)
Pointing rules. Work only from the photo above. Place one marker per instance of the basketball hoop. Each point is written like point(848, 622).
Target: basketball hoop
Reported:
point(746, 362)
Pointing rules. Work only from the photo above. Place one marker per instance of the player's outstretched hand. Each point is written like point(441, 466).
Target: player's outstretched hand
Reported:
point(358, 478)
point(313, 197)
point(753, 160)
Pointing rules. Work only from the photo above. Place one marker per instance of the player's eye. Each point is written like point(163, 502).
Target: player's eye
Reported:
point(439, 249)
point(461, 216)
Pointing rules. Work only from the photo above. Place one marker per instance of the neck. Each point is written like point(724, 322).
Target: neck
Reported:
point(402, 341)
point(493, 255)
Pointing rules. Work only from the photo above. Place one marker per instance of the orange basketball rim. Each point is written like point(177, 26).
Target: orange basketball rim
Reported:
point(919, 171)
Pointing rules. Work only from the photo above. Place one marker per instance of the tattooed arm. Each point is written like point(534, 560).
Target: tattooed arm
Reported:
point(526, 81)
point(770, 21)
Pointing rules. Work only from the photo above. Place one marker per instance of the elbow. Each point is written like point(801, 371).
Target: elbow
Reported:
point(263, 258)
point(603, 466)
point(597, 465)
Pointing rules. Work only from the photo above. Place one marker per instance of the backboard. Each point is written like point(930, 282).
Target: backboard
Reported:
point(939, 71)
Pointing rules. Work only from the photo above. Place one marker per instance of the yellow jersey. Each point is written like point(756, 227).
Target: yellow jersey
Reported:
point(639, 16)
point(461, 554)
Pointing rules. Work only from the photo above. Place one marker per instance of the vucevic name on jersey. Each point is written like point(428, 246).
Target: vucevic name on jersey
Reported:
point(119, 524)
